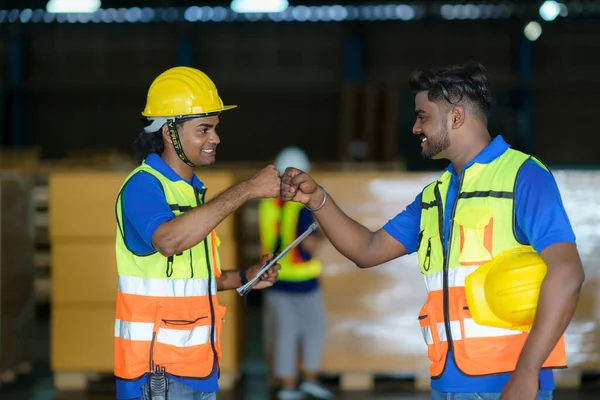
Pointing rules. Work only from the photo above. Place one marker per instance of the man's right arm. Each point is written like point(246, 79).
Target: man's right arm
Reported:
point(354, 241)
point(187, 230)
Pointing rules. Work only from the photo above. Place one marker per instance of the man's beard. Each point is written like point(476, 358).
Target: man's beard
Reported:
point(436, 144)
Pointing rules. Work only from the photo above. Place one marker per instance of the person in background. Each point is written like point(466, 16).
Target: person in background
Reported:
point(295, 302)
point(168, 317)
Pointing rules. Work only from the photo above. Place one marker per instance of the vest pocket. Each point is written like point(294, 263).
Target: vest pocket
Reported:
point(182, 344)
point(476, 229)
point(481, 341)
point(430, 333)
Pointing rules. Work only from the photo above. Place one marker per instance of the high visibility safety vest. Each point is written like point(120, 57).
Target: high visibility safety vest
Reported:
point(278, 224)
point(168, 314)
point(482, 226)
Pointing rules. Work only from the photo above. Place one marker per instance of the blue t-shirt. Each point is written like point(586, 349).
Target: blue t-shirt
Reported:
point(541, 222)
point(145, 208)
point(305, 219)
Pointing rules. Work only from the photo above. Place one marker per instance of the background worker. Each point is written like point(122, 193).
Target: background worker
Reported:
point(490, 199)
point(294, 303)
point(168, 316)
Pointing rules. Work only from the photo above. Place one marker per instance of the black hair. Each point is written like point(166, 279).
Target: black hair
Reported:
point(453, 83)
point(146, 143)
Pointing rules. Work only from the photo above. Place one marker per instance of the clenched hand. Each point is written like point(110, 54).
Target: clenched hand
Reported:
point(265, 183)
point(297, 185)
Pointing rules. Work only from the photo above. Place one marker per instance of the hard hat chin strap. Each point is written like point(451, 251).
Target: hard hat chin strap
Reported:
point(177, 143)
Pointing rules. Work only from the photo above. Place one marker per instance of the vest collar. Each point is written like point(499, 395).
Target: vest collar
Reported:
point(154, 161)
point(495, 149)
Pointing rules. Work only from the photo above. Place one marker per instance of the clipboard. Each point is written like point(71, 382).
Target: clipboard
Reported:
point(242, 290)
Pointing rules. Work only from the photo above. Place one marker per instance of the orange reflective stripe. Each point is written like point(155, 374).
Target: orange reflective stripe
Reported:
point(213, 240)
point(144, 309)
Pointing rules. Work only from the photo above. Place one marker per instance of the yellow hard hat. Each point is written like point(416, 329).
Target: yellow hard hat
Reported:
point(504, 291)
point(183, 91)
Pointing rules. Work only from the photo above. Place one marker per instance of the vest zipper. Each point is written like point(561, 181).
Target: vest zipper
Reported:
point(169, 266)
point(446, 267)
point(210, 278)
point(191, 265)
point(427, 261)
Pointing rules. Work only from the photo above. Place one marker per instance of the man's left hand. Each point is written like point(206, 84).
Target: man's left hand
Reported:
point(521, 386)
point(269, 277)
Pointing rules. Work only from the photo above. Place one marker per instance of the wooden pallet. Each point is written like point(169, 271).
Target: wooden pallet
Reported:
point(82, 380)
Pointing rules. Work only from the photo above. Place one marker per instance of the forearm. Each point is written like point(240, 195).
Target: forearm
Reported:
point(349, 237)
point(557, 302)
point(229, 280)
point(187, 230)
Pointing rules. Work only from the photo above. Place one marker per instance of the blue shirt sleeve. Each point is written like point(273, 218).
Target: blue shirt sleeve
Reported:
point(404, 227)
point(145, 208)
point(541, 217)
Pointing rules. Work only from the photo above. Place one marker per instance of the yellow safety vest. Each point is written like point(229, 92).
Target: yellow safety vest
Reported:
point(278, 224)
point(168, 314)
point(482, 227)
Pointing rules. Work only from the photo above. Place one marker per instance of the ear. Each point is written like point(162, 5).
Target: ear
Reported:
point(165, 133)
point(457, 117)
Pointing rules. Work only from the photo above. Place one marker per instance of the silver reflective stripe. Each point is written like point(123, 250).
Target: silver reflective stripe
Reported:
point(474, 330)
point(454, 329)
point(133, 330)
point(426, 331)
point(142, 331)
point(184, 338)
point(162, 287)
point(456, 278)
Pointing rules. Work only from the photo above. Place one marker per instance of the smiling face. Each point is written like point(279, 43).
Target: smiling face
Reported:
point(431, 127)
point(199, 139)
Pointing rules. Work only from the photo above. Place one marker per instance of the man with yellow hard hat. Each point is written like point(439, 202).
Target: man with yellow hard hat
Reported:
point(489, 201)
point(168, 318)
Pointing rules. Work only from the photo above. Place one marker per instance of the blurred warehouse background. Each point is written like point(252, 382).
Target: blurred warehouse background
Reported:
point(328, 76)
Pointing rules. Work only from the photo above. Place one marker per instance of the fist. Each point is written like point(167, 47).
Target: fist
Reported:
point(298, 186)
point(265, 183)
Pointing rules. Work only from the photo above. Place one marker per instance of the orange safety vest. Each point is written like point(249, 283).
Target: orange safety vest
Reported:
point(168, 314)
point(482, 226)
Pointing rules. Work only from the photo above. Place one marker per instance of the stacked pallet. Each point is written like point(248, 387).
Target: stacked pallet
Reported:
point(17, 302)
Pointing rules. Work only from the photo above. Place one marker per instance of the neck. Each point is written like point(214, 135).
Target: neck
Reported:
point(469, 149)
point(180, 168)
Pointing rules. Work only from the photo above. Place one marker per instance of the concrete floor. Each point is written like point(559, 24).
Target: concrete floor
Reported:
point(39, 386)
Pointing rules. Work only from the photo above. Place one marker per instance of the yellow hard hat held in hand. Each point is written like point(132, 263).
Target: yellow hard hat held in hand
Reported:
point(504, 291)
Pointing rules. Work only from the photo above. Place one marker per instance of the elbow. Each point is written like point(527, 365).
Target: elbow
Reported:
point(165, 245)
point(577, 277)
point(164, 248)
point(580, 278)
point(573, 281)
point(363, 263)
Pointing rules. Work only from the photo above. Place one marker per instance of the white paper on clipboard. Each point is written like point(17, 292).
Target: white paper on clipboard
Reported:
point(242, 290)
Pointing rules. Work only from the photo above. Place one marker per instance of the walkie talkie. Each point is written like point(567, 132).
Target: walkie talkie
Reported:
point(159, 384)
